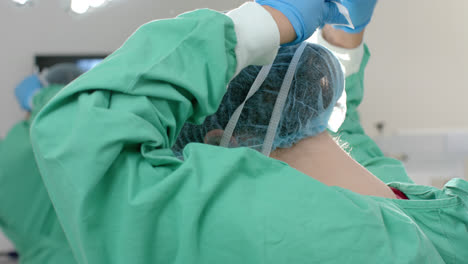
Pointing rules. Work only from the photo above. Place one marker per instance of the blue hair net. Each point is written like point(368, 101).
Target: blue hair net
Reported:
point(316, 87)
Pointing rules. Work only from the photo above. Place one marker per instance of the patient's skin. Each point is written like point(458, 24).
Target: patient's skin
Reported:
point(320, 157)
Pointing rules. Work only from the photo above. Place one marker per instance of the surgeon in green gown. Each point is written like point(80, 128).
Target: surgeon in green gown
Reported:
point(27, 216)
point(103, 149)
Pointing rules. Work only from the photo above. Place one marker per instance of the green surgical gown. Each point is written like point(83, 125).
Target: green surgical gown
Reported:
point(27, 216)
point(103, 149)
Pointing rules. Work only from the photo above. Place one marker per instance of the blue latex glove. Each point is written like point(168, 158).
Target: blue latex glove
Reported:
point(305, 15)
point(360, 12)
point(26, 90)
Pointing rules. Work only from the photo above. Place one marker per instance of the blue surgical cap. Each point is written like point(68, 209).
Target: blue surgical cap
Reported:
point(317, 85)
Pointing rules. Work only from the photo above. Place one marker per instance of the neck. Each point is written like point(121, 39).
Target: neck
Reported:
point(323, 159)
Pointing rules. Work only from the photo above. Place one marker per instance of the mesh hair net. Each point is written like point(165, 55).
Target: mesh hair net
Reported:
point(317, 84)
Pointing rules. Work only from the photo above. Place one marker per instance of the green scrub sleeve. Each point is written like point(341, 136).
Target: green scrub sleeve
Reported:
point(355, 140)
point(103, 143)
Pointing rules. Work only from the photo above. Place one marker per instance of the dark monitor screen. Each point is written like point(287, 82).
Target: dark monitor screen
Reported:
point(84, 62)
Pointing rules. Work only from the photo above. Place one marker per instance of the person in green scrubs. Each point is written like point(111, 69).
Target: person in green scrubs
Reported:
point(27, 216)
point(103, 147)
point(135, 202)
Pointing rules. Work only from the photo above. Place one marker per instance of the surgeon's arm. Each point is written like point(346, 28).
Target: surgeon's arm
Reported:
point(342, 39)
point(103, 143)
point(285, 28)
point(354, 55)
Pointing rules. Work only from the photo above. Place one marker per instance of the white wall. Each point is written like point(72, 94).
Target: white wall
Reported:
point(418, 75)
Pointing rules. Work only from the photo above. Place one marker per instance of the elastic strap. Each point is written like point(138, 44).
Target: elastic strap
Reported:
point(229, 130)
point(280, 101)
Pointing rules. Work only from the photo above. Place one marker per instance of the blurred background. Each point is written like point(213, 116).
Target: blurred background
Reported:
point(416, 81)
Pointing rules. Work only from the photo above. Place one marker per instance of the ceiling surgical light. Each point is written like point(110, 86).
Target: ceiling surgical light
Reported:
point(82, 6)
point(79, 6)
point(21, 2)
point(76, 6)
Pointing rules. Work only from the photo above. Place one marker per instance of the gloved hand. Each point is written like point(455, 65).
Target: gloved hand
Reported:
point(305, 15)
point(360, 12)
point(26, 90)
